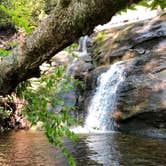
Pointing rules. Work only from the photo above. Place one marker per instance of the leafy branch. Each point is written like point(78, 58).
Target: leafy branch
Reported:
point(44, 104)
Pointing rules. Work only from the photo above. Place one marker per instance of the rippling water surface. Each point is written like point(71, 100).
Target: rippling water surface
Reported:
point(30, 148)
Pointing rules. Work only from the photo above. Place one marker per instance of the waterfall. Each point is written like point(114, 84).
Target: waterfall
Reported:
point(103, 102)
point(74, 68)
point(83, 41)
point(81, 53)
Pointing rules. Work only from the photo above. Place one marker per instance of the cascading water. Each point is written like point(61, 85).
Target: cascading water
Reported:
point(82, 48)
point(81, 54)
point(103, 102)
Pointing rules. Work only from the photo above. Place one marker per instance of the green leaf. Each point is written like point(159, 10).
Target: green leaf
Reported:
point(132, 7)
point(4, 52)
point(144, 4)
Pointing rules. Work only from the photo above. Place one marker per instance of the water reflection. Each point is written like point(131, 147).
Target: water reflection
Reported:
point(106, 153)
point(27, 148)
point(118, 149)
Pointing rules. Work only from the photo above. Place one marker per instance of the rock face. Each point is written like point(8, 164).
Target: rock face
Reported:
point(142, 96)
point(78, 65)
point(141, 102)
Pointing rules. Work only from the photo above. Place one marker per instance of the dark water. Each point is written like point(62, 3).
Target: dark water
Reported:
point(30, 148)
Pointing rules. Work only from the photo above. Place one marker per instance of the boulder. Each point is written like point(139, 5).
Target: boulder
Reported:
point(142, 96)
point(127, 41)
point(141, 100)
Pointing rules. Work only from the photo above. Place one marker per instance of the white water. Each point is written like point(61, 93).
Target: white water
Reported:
point(81, 52)
point(83, 44)
point(103, 103)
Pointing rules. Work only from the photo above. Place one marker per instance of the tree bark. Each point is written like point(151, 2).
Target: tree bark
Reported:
point(67, 22)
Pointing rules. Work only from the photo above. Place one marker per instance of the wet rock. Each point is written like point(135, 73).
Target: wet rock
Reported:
point(91, 79)
point(142, 96)
point(79, 68)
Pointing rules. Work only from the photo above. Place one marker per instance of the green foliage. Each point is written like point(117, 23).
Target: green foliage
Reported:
point(161, 3)
point(18, 20)
point(4, 52)
point(153, 4)
point(70, 49)
point(44, 104)
point(4, 19)
point(25, 14)
point(4, 113)
point(145, 3)
point(100, 37)
point(12, 44)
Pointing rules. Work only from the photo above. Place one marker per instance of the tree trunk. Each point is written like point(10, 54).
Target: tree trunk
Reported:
point(69, 20)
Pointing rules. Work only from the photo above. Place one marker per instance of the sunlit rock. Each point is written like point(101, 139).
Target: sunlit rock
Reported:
point(142, 96)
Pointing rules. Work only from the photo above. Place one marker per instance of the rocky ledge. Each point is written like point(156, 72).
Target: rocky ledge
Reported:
point(142, 97)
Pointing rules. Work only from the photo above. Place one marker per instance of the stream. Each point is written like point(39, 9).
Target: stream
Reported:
point(31, 148)
point(102, 147)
